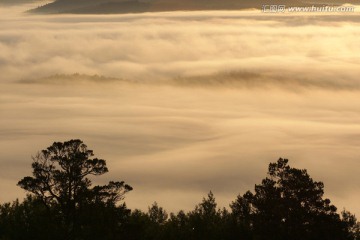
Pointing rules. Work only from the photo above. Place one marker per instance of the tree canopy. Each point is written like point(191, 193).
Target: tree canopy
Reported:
point(289, 204)
point(63, 204)
point(61, 179)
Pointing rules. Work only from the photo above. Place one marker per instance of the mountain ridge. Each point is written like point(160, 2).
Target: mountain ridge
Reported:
point(140, 6)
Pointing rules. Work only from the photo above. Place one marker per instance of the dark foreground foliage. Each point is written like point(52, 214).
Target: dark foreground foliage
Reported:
point(287, 204)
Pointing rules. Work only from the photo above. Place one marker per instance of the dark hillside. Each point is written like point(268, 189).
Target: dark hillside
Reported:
point(137, 6)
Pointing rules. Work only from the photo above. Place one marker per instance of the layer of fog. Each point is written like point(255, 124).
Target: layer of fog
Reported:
point(150, 48)
point(189, 102)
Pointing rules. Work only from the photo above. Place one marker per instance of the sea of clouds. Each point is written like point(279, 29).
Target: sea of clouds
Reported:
point(183, 103)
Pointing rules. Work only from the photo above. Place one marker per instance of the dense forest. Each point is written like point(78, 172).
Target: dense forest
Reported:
point(63, 204)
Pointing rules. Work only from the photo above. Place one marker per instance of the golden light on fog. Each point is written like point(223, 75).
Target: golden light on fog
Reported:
point(205, 105)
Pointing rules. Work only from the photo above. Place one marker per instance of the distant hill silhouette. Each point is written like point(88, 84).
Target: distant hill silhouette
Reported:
point(138, 6)
point(16, 2)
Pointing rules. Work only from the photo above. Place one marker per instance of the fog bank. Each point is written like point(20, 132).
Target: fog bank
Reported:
point(183, 103)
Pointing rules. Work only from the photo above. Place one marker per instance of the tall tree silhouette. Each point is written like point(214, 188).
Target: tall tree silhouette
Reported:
point(288, 204)
point(205, 220)
point(60, 180)
point(241, 216)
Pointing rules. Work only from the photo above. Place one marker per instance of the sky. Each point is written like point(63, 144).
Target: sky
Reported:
point(183, 103)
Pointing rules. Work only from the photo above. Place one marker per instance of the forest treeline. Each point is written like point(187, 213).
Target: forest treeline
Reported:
point(63, 204)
